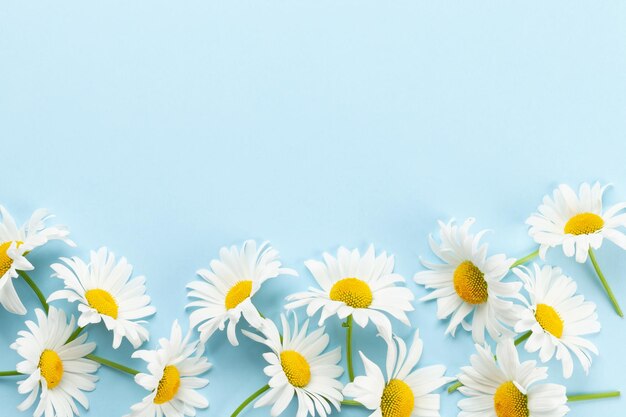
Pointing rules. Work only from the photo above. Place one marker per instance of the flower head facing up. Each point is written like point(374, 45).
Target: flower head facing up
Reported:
point(361, 286)
point(469, 282)
point(299, 367)
point(54, 366)
point(227, 290)
point(406, 391)
point(15, 243)
point(576, 222)
point(507, 388)
point(557, 317)
point(173, 379)
point(105, 292)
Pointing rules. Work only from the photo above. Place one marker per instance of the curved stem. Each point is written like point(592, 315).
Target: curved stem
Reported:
point(523, 337)
point(112, 364)
point(75, 334)
point(36, 289)
point(9, 373)
point(584, 397)
point(349, 347)
point(352, 402)
point(605, 284)
point(249, 400)
point(525, 259)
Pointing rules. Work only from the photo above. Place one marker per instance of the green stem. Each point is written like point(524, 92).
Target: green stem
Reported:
point(352, 402)
point(349, 347)
point(9, 373)
point(605, 284)
point(112, 364)
point(36, 289)
point(584, 397)
point(454, 387)
point(249, 400)
point(523, 337)
point(75, 334)
point(525, 259)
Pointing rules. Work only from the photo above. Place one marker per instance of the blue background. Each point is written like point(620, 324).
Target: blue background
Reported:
point(165, 130)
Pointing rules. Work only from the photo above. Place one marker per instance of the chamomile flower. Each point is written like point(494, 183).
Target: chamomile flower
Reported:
point(106, 293)
point(359, 286)
point(407, 391)
point(576, 222)
point(15, 243)
point(507, 388)
point(557, 318)
point(227, 290)
point(173, 377)
point(53, 366)
point(469, 282)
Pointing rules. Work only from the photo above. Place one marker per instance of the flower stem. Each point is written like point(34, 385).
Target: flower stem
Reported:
point(36, 289)
point(249, 400)
point(454, 387)
point(75, 334)
point(605, 284)
point(349, 347)
point(584, 397)
point(9, 373)
point(523, 337)
point(352, 402)
point(112, 364)
point(525, 259)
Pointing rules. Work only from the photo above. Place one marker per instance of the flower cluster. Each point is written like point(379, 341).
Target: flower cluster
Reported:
point(494, 297)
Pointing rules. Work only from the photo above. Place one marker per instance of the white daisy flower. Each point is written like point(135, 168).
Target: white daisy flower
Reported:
point(507, 388)
point(105, 292)
point(361, 287)
point(557, 318)
point(15, 243)
point(470, 281)
point(298, 368)
point(576, 222)
point(227, 290)
point(173, 379)
point(58, 368)
point(407, 391)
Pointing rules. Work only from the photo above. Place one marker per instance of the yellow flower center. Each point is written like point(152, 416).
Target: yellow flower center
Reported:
point(352, 291)
point(296, 368)
point(584, 224)
point(51, 368)
point(469, 283)
point(510, 402)
point(102, 301)
point(239, 292)
point(549, 319)
point(168, 385)
point(397, 400)
point(5, 259)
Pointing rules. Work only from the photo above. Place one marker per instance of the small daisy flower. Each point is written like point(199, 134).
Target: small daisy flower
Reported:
point(576, 222)
point(557, 318)
point(57, 368)
point(362, 287)
point(469, 281)
point(507, 388)
point(227, 290)
point(173, 379)
point(15, 243)
point(407, 391)
point(299, 368)
point(106, 293)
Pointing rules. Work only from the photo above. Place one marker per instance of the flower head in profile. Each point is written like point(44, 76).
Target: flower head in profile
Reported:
point(507, 388)
point(557, 318)
point(56, 368)
point(105, 292)
point(226, 292)
point(15, 243)
point(299, 368)
point(173, 379)
point(406, 391)
point(363, 287)
point(470, 283)
point(577, 222)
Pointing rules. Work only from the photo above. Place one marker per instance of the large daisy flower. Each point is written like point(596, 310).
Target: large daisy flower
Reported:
point(577, 222)
point(359, 286)
point(557, 318)
point(173, 377)
point(507, 388)
point(298, 368)
point(54, 366)
point(105, 292)
point(227, 290)
point(469, 281)
point(15, 243)
point(407, 391)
